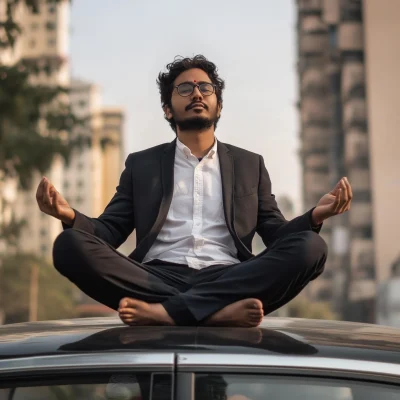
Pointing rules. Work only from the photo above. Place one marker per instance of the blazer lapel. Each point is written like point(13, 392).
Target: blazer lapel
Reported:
point(227, 179)
point(167, 182)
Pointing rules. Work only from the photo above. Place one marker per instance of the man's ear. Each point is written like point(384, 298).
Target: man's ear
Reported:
point(167, 112)
point(219, 109)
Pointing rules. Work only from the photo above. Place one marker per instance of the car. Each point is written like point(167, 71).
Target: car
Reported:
point(283, 358)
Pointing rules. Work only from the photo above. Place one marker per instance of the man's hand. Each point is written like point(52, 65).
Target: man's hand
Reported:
point(337, 201)
point(52, 203)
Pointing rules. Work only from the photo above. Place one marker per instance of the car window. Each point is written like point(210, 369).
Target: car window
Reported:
point(118, 386)
point(263, 387)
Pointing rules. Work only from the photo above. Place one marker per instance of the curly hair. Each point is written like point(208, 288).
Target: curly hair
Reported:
point(180, 64)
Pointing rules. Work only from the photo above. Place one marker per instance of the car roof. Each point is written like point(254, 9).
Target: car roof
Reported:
point(275, 336)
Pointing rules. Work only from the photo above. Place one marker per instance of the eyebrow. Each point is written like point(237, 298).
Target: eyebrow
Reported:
point(190, 82)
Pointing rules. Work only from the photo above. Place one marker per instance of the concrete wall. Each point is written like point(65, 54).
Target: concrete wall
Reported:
point(382, 32)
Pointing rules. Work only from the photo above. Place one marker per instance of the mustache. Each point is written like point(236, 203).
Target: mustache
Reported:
point(191, 105)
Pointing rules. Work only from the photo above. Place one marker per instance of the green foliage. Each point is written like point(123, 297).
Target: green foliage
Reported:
point(26, 145)
point(10, 232)
point(36, 121)
point(56, 295)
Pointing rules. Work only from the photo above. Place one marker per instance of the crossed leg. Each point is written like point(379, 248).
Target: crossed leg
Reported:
point(236, 295)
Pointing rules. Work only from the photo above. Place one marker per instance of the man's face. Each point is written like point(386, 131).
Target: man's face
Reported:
point(196, 111)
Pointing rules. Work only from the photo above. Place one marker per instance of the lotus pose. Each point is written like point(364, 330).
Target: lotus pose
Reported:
point(196, 204)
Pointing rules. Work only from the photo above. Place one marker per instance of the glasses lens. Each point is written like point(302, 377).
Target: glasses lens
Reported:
point(185, 89)
point(207, 89)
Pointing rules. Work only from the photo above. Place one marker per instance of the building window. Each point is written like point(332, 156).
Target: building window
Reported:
point(332, 36)
point(82, 103)
point(80, 166)
point(52, 9)
point(51, 42)
point(34, 26)
point(79, 200)
point(43, 232)
point(32, 43)
point(50, 26)
point(80, 184)
point(66, 185)
point(43, 249)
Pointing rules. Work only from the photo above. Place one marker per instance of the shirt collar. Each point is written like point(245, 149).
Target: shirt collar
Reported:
point(186, 151)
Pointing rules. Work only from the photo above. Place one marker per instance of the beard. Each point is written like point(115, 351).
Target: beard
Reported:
point(195, 123)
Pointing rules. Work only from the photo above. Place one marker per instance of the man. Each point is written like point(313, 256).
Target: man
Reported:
point(196, 204)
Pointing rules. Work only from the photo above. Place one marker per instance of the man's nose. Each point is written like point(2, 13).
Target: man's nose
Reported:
point(196, 95)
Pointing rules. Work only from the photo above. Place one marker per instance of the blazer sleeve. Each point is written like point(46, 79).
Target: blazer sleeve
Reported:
point(271, 224)
point(117, 222)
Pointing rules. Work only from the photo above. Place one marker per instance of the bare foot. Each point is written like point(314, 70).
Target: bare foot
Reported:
point(136, 312)
point(243, 313)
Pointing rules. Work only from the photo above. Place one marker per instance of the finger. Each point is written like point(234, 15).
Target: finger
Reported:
point(349, 189)
point(344, 198)
point(345, 195)
point(336, 204)
point(46, 194)
point(53, 196)
point(335, 190)
point(39, 192)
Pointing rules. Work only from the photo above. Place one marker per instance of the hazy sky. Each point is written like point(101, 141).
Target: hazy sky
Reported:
point(122, 46)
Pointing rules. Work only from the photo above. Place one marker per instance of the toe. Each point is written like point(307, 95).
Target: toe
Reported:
point(255, 304)
point(126, 302)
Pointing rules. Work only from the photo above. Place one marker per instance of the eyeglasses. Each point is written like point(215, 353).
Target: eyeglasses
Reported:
point(187, 88)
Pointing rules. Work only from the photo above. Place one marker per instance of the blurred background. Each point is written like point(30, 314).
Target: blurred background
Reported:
point(312, 85)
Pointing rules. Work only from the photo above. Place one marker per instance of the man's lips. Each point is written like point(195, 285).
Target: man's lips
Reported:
point(196, 105)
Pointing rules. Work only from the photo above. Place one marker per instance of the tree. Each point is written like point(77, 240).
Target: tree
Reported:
point(56, 297)
point(36, 121)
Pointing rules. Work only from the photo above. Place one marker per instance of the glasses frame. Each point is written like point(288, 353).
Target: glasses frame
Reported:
point(194, 85)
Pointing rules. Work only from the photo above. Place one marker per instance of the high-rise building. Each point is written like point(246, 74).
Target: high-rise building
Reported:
point(43, 44)
point(346, 128)
point(89, 180)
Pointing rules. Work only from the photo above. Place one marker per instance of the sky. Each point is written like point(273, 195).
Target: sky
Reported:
point(122, 46)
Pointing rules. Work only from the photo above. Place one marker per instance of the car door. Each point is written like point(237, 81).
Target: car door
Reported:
point(253, 377)
point(130, 376)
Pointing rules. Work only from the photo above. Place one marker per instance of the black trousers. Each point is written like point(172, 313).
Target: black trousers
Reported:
point(274, 277)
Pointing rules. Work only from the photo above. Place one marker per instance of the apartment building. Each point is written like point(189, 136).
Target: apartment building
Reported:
point(339, 66)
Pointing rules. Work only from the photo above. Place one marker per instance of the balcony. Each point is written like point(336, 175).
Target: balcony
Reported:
point(313, 83)
point(360, 215)
point(360, 180)
point(355, 114)
point(316, 161)
point(350, 10)
point(316, 183)
point(353, 80)
point(314, 108)
point(351, 37)
point(331, 11)
point(357, 149)
point(313, 43)
point(309, 6)
point(313, 24)
point(315, 137)
point(362, 256)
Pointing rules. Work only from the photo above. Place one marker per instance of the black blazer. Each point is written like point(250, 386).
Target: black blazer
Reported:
point(144, 195)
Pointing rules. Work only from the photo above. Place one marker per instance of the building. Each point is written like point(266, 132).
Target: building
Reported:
point(94, 169)
point(348, 128)
point(43, 44)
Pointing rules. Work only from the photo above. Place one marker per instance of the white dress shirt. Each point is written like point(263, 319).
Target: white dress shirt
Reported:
point(195, 231)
